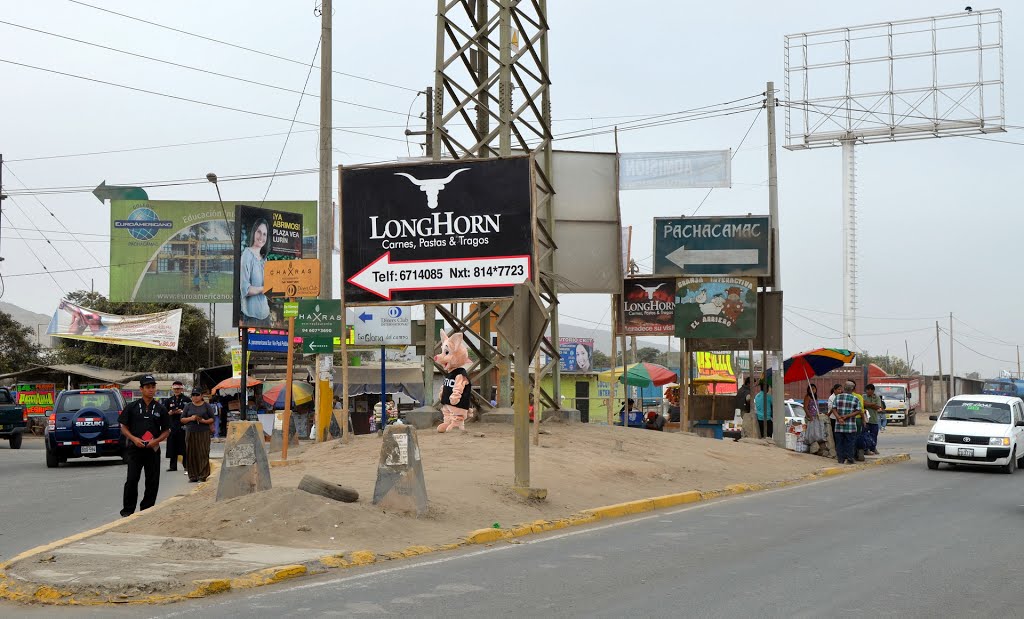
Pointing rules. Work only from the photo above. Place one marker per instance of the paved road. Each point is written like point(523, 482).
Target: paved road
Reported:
point(896, 541)
point(39, 505)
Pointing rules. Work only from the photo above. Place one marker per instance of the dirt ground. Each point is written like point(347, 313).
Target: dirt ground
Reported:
point(468, 478)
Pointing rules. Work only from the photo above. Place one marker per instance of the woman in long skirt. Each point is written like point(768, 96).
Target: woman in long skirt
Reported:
point(197, 419)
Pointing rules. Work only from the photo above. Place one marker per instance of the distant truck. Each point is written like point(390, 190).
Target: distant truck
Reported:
point(13, 419)
point(901, 402)
point(1011, 387)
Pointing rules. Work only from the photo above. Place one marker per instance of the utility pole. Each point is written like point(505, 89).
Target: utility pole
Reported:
point(906, 345)
point(2, 198)
point(1018, 362)
point(952, 376)
point(938, 350)
point(325, 223)
point(778, 387)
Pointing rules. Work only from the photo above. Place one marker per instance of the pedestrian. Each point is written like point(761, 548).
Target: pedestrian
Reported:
point(883, 416)
point(861, 447)
point(848, 410)
point(872, 408)
point(197, 418)
point(742, 401)
point(214, 402)
point(144, 424)
point(836, 390)
point(763, 404)
point(176, 441)
point(811, 402)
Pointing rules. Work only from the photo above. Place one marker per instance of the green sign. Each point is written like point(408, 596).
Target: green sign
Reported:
point(174, 251)
point(716, 307)
point(318, 322)
point(291, 309)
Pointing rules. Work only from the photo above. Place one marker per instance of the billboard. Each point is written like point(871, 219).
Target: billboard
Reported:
point(718, 365)
point(734, 245)
point(716, 307)
point(576, 354)
point(74, 322)
point(648, 306)
point(262, 235)
point(36, 398)
point(675, 170)
point(437, 231)
point(169, 251)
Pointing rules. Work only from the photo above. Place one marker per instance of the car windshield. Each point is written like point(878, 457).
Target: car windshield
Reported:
point(1002, 387)
point(797, 410)
point(899, 393)
point(985, 412)
point(74, 402)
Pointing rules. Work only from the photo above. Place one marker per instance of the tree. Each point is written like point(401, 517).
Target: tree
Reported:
point(17, 348)
point(648, 354)
point(193, 340)
point(974, 376)
point(600, 360)
point(892, 365)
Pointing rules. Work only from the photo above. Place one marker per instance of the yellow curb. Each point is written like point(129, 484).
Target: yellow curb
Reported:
point(277, 463)
point(49, 595)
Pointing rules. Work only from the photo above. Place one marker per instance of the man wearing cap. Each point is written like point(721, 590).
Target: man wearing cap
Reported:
point(175, 405)
point(144, 424)
point(197, 418)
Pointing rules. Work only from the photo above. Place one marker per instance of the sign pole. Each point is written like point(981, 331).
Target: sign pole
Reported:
point(288, 387)
point(684, 384)
point(521, 416)
point(615, 359)
point(383, 393)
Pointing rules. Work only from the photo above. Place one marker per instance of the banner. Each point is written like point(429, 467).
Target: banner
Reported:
point(262, 236)
point(165, 251)
point(675, 170)
point(145, 331)
point(718, 365)
point(648, 306)
point(437, 231)
point(576, 354)
point(265, 342)
point(716, 307)
point(37, 399)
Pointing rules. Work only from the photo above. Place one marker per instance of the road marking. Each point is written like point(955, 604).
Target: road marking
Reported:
point(355, 578)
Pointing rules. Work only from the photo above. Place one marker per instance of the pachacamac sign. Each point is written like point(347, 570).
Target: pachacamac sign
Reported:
point(169, 251)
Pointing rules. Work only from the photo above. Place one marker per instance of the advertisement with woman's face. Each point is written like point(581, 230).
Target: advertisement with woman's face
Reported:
point(262, 235)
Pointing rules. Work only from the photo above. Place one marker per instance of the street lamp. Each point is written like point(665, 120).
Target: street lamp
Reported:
point(213, 306)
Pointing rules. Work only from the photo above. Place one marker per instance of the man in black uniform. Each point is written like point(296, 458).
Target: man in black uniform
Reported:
point(144, 424)
point(176, 441)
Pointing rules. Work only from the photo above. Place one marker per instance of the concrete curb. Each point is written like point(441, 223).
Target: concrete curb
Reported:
point(44, 594)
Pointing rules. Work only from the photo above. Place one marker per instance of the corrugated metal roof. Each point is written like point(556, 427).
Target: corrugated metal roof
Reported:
point(81, 369)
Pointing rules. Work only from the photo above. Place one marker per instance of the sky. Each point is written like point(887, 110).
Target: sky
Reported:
point(939, 219)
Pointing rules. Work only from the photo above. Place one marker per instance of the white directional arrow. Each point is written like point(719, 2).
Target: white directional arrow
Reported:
point(383, 276)
point(683, 257)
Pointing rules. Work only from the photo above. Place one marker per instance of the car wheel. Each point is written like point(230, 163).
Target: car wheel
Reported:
point(1011, 466)
point(51, 459)
point(15, 441)
point(913, 420)
point(933, 464)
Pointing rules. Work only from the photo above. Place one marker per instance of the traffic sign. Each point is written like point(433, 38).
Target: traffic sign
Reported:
point(382, 326)
point(318, 323)
point(712, 245)
point(437, 231)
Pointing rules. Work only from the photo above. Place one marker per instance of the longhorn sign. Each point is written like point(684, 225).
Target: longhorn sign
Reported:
point(431, 186)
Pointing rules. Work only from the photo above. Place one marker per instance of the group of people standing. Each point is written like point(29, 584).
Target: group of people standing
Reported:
point(855, 420)
point(185, 423)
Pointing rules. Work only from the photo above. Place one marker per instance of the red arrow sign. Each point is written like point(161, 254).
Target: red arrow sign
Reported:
point(382, 276)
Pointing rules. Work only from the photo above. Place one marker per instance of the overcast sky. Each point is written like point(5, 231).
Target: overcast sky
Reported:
point(940, 219)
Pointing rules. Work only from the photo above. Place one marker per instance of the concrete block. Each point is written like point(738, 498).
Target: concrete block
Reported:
point(498, 415)
point(245, 468)
point(277, 440)
point(424, 418)
point(400, 483)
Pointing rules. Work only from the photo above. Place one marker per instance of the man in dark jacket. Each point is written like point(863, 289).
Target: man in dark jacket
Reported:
point(176, 441)
point(144, 425)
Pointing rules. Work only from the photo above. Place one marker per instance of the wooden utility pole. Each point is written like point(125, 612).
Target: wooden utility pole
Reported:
point(952, 375)
point(938, 350)
point(288, 387)
point(615, 361)
point(324, 400)
point(684, 386)
point(521, 406)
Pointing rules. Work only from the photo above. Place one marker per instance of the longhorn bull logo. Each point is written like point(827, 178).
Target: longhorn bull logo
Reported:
point(431, 186)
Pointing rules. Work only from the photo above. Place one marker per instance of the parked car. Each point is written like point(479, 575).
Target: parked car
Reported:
point(983, 430)
point(795, 410)
point(84, 424)
point(13, 420)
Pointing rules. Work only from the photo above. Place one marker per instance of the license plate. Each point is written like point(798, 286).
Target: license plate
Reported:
point(91, 449)
point(965, 451)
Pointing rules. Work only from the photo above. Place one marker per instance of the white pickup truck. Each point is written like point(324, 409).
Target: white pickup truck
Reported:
point(900, 404)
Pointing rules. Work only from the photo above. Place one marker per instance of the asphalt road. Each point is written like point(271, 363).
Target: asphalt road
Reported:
point(40, 505)
point(895, 541)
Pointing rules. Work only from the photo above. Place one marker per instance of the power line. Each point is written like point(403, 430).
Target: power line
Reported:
point(731, 157)
point(186, 99)
point(663, 123)
point(26, 216)
point(194, 68)
point(45, 270)
point(824, 337)
point(237, 46)
point(821, 311)
point(980, 354)
point(295, 115)
point(48, 240)
point(75, 232)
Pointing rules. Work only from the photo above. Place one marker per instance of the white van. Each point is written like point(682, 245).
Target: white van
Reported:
point(984, 430)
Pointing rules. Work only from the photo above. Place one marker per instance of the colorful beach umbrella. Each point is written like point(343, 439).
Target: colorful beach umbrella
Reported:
point(234, 383)
point(641, 375)
point(814, 363)
point(273, 393)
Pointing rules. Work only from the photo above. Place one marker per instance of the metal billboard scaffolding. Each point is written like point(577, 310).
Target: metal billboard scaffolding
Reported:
point(492, 95)
point(921, 78)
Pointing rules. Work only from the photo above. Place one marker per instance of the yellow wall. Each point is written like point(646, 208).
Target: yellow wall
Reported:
point(599, 392)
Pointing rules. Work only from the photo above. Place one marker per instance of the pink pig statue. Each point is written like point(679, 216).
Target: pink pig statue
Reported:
point(456, 390)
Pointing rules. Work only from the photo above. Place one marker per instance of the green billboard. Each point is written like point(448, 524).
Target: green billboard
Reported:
point(165, 251)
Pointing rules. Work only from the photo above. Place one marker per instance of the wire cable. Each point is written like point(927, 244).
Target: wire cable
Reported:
point(733, 156)
point(236, 46)
point(45, 270)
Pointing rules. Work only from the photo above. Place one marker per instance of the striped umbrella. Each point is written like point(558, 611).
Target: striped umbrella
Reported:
point(273, 393)
point(814, 363)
